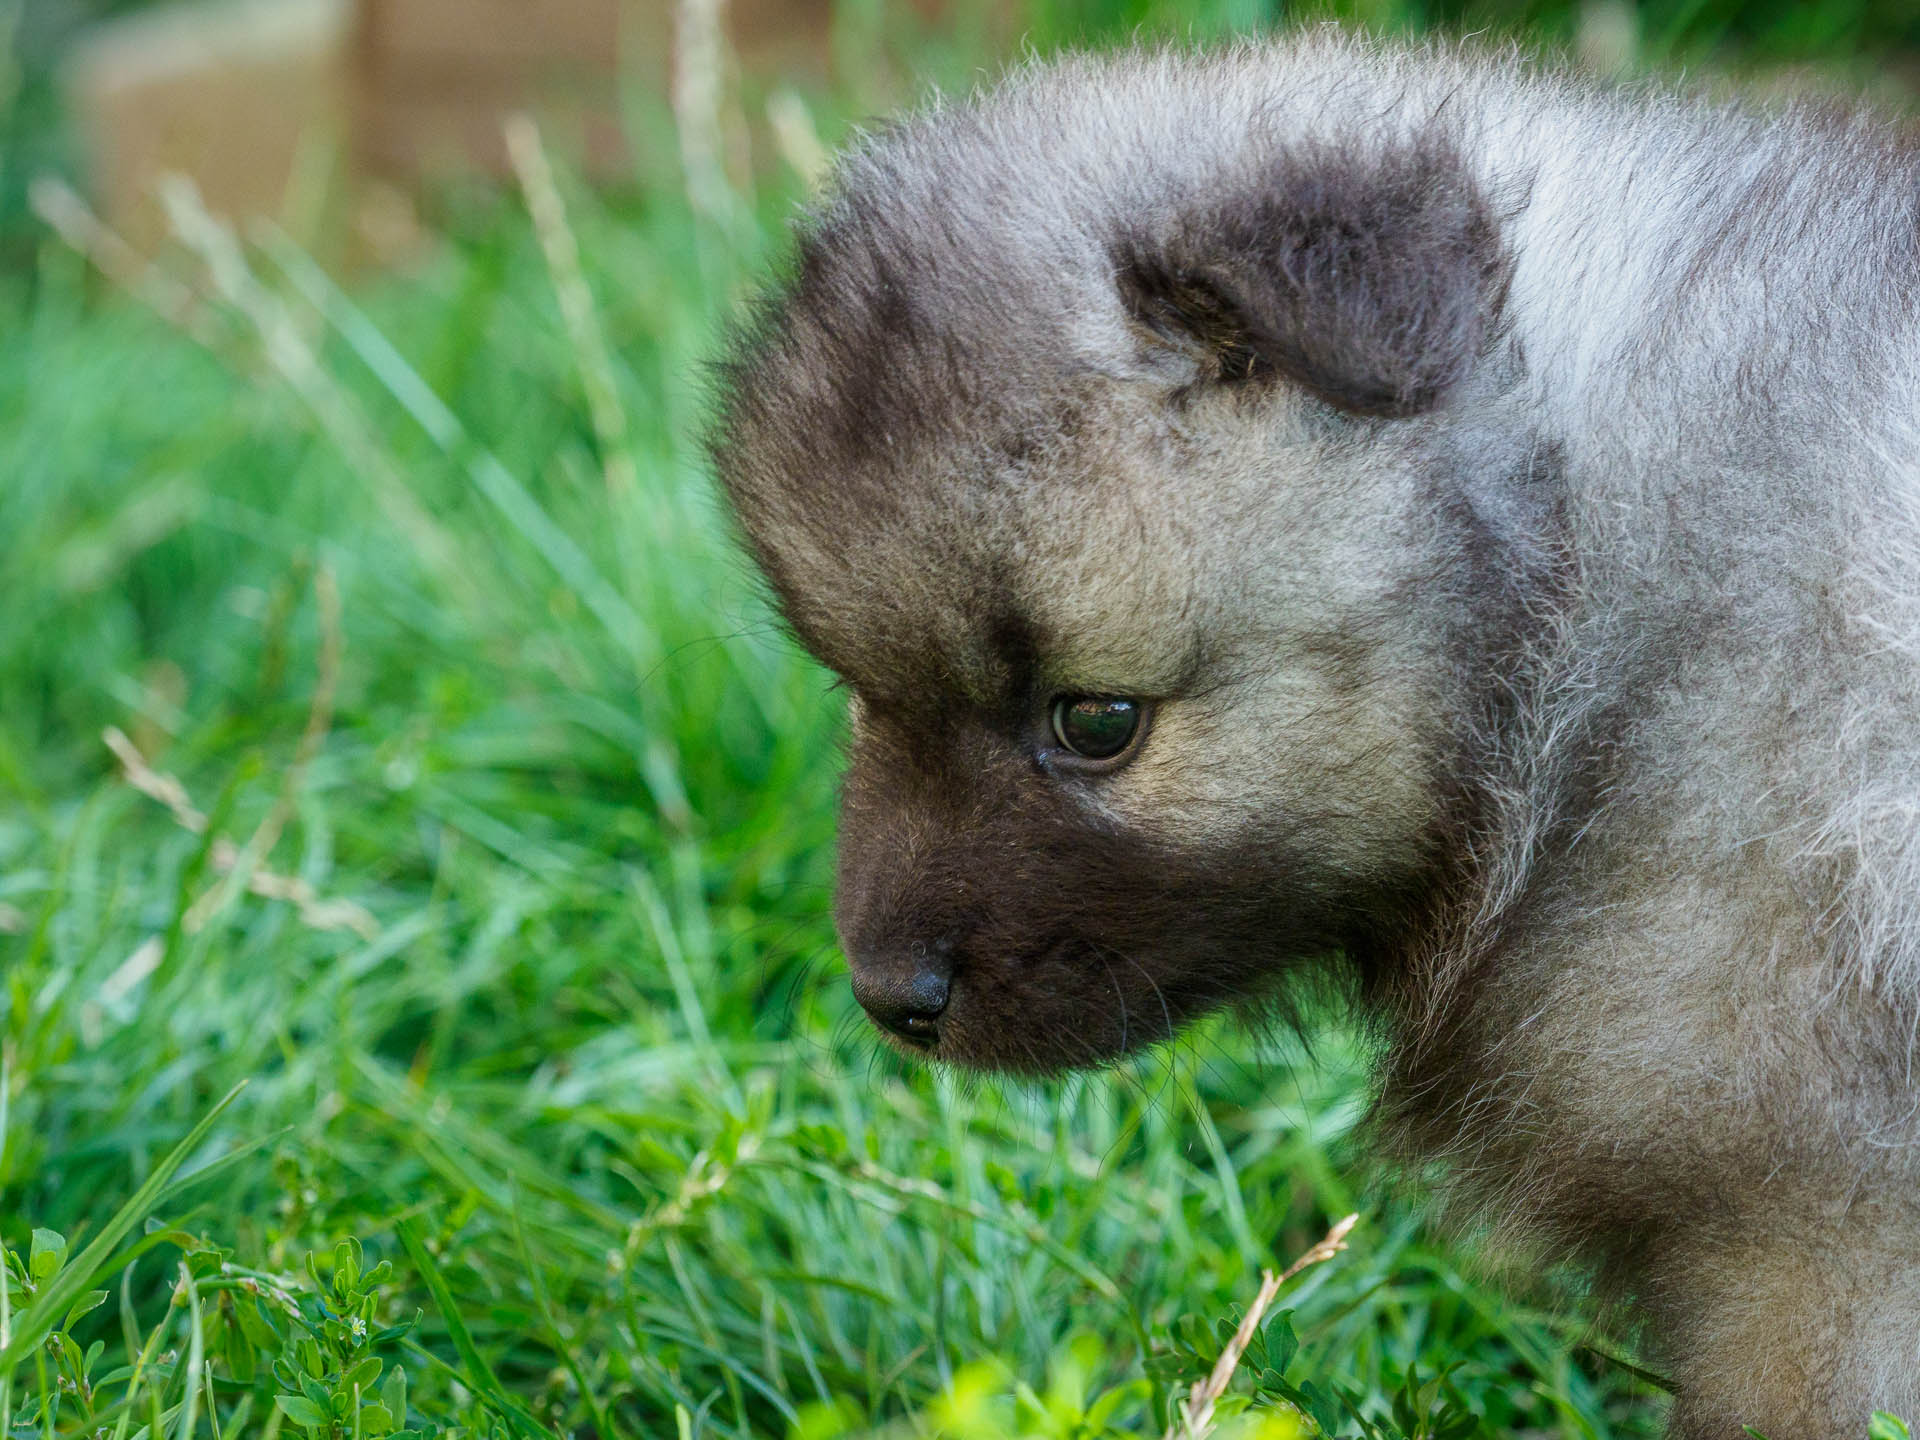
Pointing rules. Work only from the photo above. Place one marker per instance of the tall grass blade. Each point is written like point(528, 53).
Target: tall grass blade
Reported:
point(76, 1277)
point(489, 476)
point(480, 1374)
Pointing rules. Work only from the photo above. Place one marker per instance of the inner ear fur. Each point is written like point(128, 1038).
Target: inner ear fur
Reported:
point(1371, 277)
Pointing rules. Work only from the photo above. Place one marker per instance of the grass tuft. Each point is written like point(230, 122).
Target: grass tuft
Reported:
point(433, 964)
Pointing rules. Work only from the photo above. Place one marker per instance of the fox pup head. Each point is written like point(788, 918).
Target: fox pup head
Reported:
point(1114, 466)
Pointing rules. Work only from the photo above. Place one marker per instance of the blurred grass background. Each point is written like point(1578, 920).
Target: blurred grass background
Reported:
point(486, 835)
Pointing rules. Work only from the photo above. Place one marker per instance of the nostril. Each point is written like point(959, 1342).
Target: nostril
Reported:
point(906, 994)
point(926, 993)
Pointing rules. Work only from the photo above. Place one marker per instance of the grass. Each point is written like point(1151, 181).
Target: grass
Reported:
point(388, 726)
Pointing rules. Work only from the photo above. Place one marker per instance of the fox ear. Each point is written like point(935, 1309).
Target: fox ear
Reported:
point(1372, 278)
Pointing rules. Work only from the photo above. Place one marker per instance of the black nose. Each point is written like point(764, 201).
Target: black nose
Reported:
point(906, 991)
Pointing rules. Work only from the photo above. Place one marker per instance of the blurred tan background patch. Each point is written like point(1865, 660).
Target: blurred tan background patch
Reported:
point(273, 106)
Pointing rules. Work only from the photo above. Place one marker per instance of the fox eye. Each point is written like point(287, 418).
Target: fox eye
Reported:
point(1094, 727)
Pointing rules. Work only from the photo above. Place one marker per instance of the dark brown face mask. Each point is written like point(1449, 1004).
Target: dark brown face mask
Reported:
point(991, 921)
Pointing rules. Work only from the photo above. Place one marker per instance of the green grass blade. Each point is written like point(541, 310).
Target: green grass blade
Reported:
point(76, 1277)
point(1645, 1376)
point(480, 1374)
point(497, 483)
point(196, 1358)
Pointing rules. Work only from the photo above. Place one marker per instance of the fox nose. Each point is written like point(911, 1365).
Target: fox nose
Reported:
point(906, 991)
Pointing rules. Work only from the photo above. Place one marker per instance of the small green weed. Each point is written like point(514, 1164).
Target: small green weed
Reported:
point(232, 1347)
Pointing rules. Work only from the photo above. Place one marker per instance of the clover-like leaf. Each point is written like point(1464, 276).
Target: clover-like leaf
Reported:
point(90, 1301)
point(49, 1253)
point(1282, 1344)
point(393, 1393)
point(303, 1411)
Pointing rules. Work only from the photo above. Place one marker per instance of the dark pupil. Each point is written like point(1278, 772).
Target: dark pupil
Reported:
point(1095, 729)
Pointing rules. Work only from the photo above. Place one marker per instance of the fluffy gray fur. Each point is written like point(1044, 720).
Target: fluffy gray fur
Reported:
point(1506, 490)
